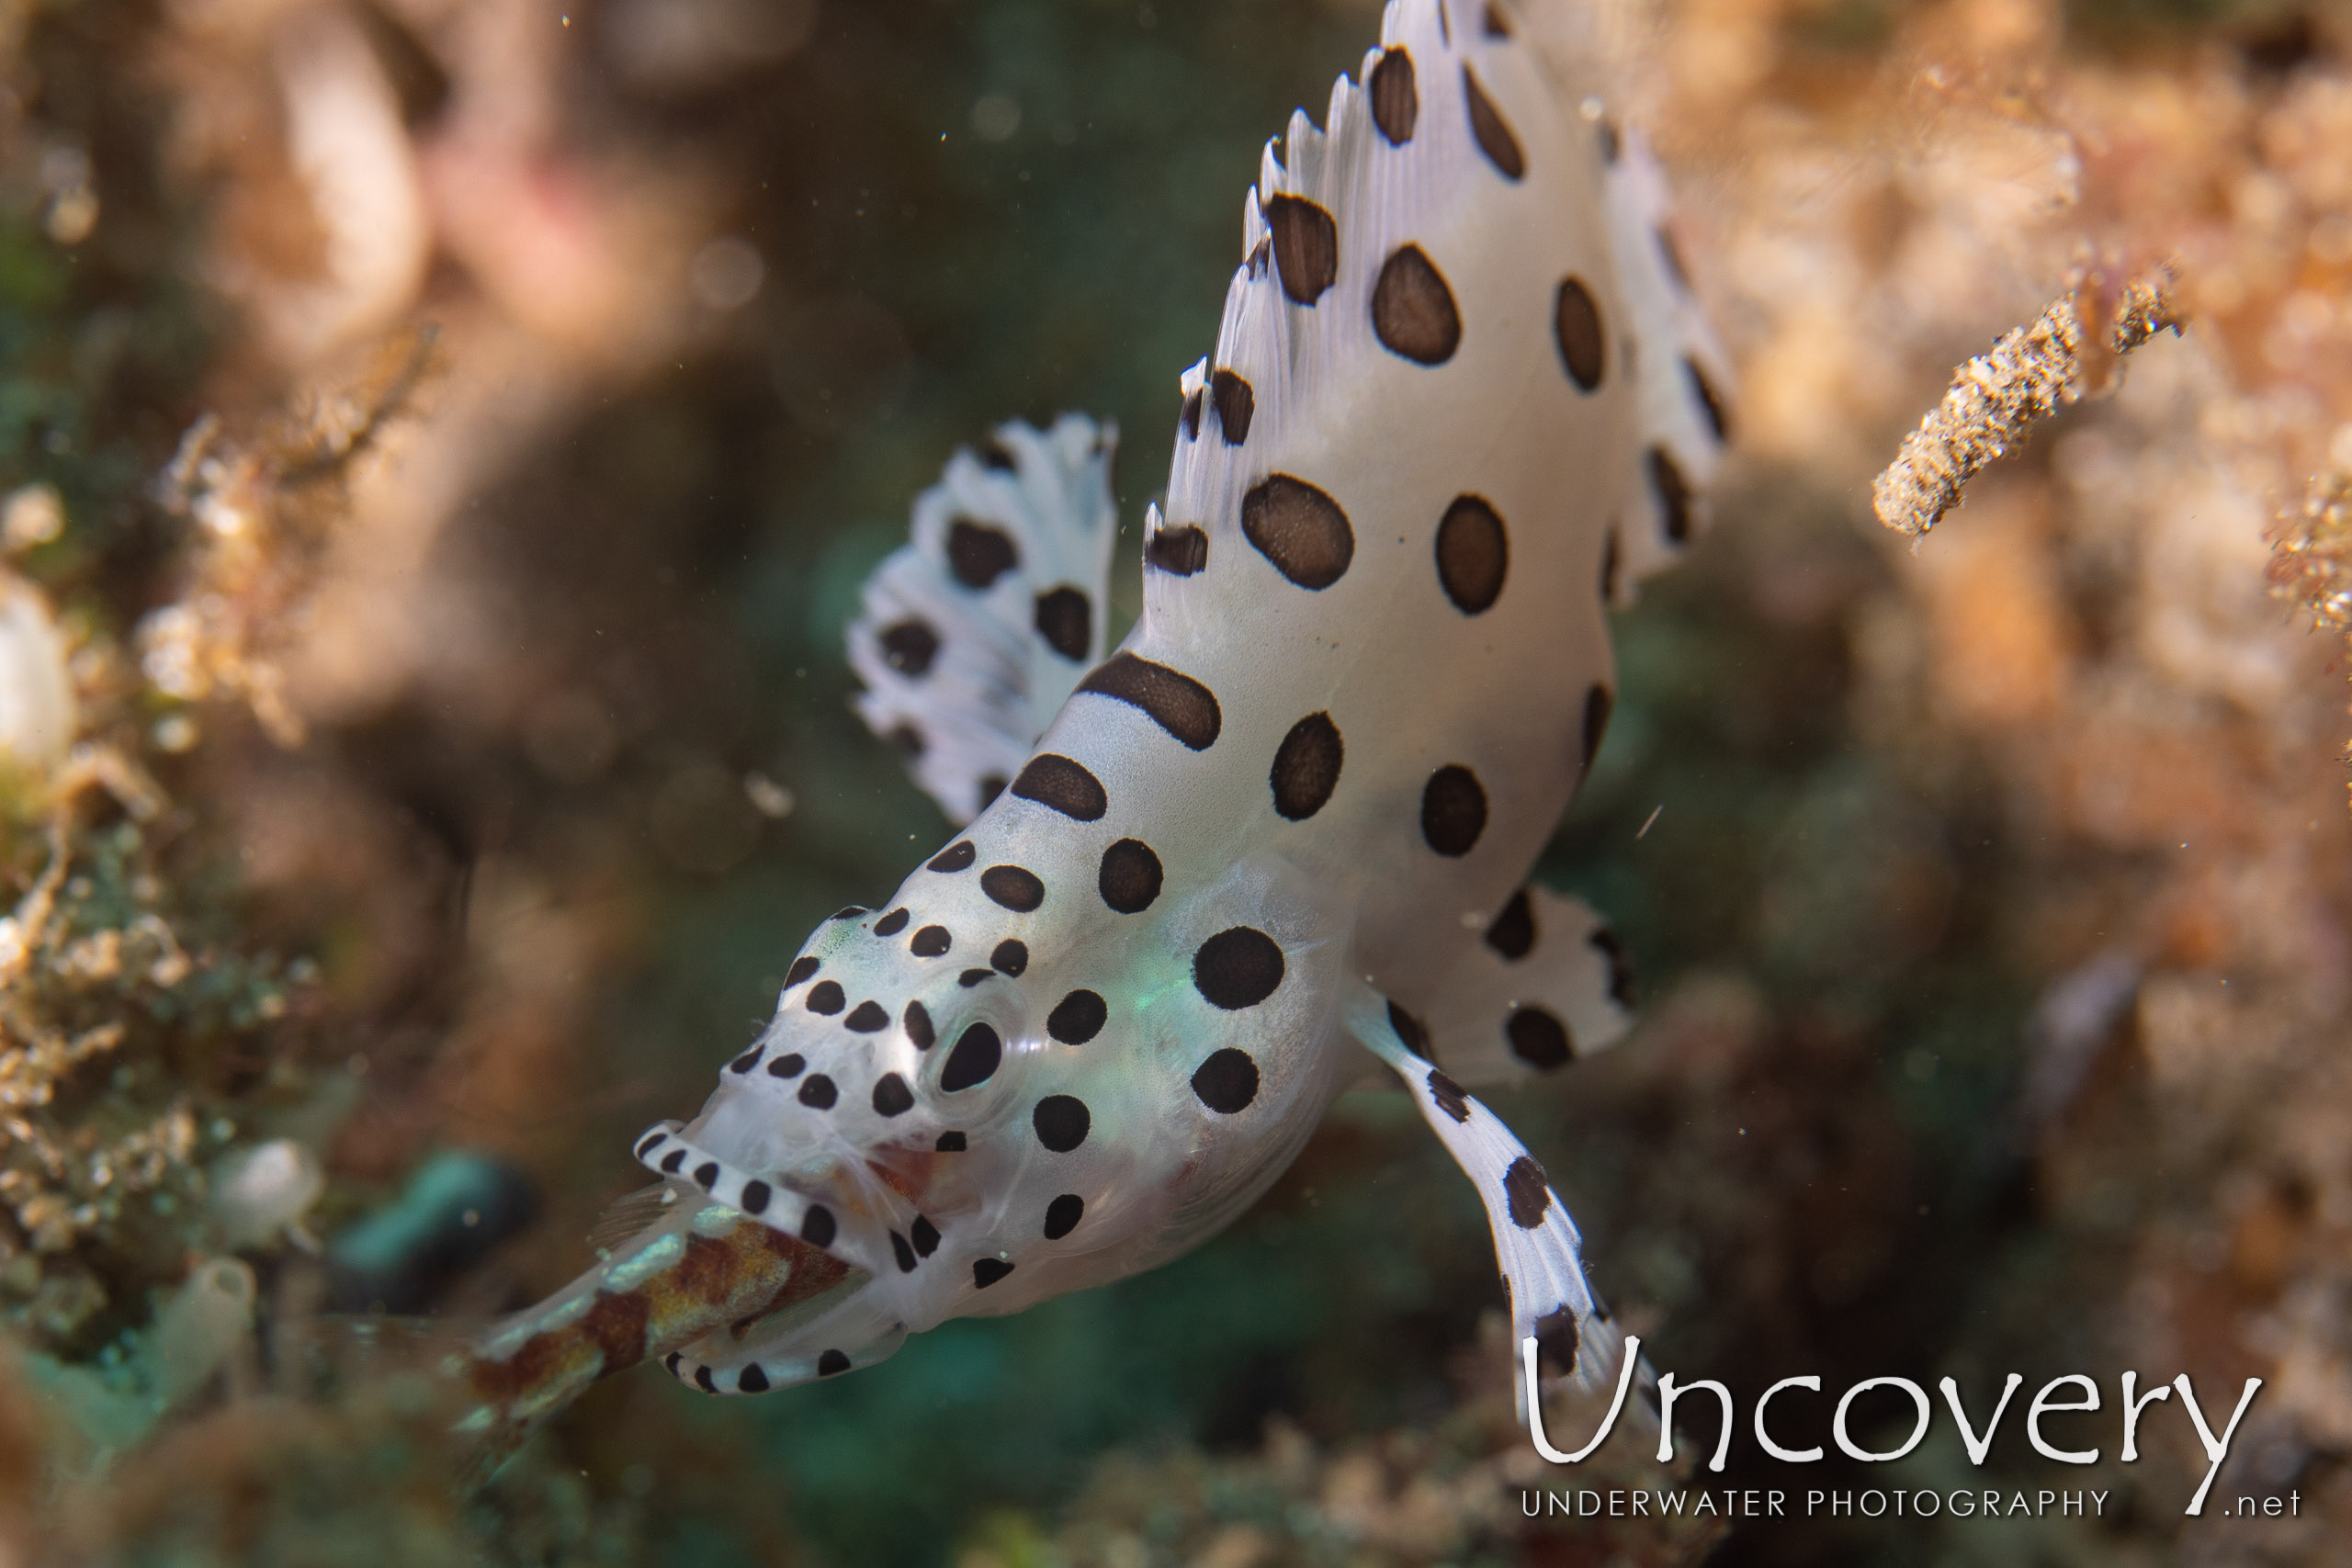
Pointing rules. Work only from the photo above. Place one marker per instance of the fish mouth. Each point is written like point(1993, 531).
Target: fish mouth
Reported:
point(821, 1202)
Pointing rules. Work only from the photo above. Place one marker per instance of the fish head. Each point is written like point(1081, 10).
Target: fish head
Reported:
point(999, 1087)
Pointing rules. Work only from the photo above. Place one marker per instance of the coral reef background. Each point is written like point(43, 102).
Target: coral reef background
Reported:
point(439, 445)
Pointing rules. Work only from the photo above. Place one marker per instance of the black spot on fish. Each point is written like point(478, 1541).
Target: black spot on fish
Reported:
point(1130, 878)
point(1061, 1122)
point(1077, 1018)
point(931, 942)
point(1711, 404)
point(902, 1253)
point(1410, 1029)
point(1238, 968)
point(1062, 1215)
point(746, 1062)
point(1528, 1192)
point(1236, 401)
point(1449, 1096)
point(1576, 328)
point(787, 1065)
point(918, 1022)
point(1473, 555)
point(1306, 767)
point(817, 1092)
point(1621, 969)
point(1064, 785)
point(908, 646)
point(755, 1197)
point(1012, 887)
point(1673, 494)
point(1395, 97)
point(1226, 1082)
point(1307, 246)
point(950, 1143)
point(979, 554)
point(1557, 1340)
point(987, 1271)
point(891, 1095)
point(1513, 932)
point(1011, 956)
point(750, 1379)
point(1413, 311)
point(1538, 1038)
point(826, 998)
point(892, 923)
point(1174, 700)
point(925, 1236)
point(706, 1174)
point(957, 856)
point(832, 1363)
point(1300, 529)
point(1453, 810)
point(1180, 551)
point(868, 1018)
point(1066, 621)
point(801, 969)
point(817, 1227)
point(1494, 136)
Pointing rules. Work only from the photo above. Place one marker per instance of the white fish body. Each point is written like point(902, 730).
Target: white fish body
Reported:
point(1459, 397)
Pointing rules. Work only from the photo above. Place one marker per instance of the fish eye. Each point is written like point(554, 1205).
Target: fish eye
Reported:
point(977, 1054)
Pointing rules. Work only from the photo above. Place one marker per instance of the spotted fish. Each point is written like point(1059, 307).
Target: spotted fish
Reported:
point(1461, 398)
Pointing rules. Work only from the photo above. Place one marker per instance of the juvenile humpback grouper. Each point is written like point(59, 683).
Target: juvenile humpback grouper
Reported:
point(1277, 841)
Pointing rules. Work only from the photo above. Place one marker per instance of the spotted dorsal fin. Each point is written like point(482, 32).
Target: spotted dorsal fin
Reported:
point(632, 1214)
point(974, 633)
point(1372, 239)
point(1682, 375)
point(1548, 984)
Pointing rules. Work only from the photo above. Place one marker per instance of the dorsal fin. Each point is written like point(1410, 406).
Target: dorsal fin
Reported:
point(1682, 374)
point(1454, 129)
point(631, 1214)
point(974, 633)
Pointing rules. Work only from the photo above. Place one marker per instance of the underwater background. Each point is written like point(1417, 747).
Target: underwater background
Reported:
point(441, 443)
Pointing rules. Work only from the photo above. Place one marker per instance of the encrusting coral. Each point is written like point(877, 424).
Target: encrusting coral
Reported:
point(152, 1063)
